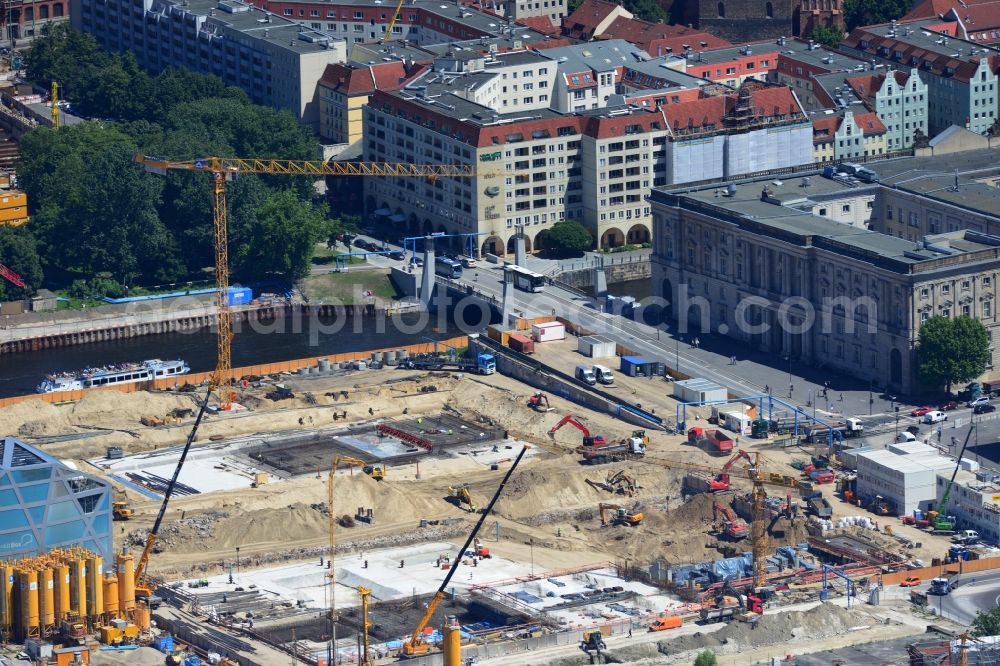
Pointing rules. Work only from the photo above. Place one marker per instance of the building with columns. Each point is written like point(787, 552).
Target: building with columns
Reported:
point(757, 263)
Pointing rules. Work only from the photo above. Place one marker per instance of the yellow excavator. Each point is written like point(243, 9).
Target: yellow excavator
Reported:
point(415, 645)
point(461, 496)
point(614, 514)
point(374, 471)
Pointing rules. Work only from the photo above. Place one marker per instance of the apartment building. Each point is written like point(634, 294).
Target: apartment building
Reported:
point(26, 19)
point(846, 135)
point(734, 65)
point(901, 101)
point(975, 20)
point(344, 90)
point(961, 76)
point(276, 61)
point(800, 63)
point(536, 169)
point(858, 297)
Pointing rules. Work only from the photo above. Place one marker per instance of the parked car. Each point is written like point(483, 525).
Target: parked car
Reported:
point(920, 411)
point(983, 409)
point(912, 581)
point(935, 417)
point(913, 429)
point(981, 400)
point(948, 406)
point(361, 243)
point(398, 255)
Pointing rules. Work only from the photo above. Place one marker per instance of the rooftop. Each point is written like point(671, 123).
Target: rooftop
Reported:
point(821, 57)
point(251, 21)
point(731, 53)
point(602, 56)
point(906, 463)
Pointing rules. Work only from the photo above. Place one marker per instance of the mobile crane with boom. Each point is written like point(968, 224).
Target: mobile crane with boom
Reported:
point(415, 645)
point(939, 522)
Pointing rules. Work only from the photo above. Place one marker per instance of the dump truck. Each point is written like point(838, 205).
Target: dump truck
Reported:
point(820, 506)
point(944, 583)
point(121, 511)
point(715, 442)
point(847, 428)
point(626, 449)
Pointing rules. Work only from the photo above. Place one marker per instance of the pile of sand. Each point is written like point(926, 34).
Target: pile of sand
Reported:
point(114, 407)
point(143, 656)
point(34, 418)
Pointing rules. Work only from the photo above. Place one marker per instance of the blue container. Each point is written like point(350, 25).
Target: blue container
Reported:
point(918, 514)
point(240, 295)
point(164, 643)
point(823, 595)
point(193, 660)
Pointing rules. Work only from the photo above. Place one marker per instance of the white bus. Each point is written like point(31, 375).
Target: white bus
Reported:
point(526, 280)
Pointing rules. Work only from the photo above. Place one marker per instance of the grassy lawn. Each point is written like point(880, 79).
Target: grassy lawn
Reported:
point(348, 287)
point(323, 255)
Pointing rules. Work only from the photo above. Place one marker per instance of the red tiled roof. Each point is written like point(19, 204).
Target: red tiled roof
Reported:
point(869, 123)
point(650, 36)
point(540, 23)
point(865, 86)
point(772, 101)
point(935, 8)
point(825, 128)
point(585, 18)
point(963, 70)
point(365, 80)
point(704, 113)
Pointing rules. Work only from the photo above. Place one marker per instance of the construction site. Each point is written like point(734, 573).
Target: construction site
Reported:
point(362, 516)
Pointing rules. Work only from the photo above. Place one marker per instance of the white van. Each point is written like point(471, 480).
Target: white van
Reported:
point(904, 437)
point(603, 374)
point(585, 374)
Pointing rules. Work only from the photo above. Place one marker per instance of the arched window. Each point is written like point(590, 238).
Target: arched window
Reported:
point(43, 11)
point(29, 13)
point(57, 9)
point(769, 10)
point(722, 10)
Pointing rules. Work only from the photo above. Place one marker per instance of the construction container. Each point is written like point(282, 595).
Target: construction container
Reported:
point(738, 422)
point(497, 333)
point(126, 583)
point(595, 346)
point(636, 366)
point(521, 343)
point(111, 604)
point(549, 331)
point(27, 580)
point(699, 390)
point(47, 596)
point(239, 296)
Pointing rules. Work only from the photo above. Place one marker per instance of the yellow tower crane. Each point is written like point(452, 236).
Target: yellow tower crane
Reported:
point(55, 105)
point(392, 23)
point(223, 169)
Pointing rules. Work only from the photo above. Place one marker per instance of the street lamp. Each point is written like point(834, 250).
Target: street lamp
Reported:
point(789, 359)
point(237, 563)
point(871, 398)
point(897, 421)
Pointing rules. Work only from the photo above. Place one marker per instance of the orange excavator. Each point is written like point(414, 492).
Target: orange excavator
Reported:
point(539, 402)
point(588, 439)
point(735, 529)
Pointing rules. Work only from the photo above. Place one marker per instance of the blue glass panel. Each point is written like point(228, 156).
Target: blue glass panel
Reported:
point(57, 534)
point(4, 479)
point(37, 514)
point(17, 542)
point(12, 519)
point(29, 475)
point(63, 511)
point(105, 501)
point(7, 497)
point(36, 493)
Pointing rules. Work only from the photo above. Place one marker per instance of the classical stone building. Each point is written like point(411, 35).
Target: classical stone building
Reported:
point(753, 20)
point(756, 262)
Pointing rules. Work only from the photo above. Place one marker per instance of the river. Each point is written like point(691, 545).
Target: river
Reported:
point(21, 373)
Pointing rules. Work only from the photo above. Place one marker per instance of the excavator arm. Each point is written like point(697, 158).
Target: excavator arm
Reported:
point(573, 422)
point(415, 645)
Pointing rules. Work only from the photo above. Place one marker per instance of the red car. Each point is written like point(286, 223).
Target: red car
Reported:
point(920, 411)
point(948, 406)
point(912, 581)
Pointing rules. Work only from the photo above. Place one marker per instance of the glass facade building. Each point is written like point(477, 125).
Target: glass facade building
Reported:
point(44, 504)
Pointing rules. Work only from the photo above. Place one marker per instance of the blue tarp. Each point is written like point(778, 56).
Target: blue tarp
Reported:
point(526, 597)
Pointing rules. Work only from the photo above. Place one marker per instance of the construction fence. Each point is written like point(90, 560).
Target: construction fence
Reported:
point(196, 378)
point(926, 573)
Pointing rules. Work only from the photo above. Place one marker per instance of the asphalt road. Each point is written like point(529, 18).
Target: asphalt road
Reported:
point(979, 591)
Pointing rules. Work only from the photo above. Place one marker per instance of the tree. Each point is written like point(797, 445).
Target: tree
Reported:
point(828, 35)
point(952, 350)
point(987, 623)
point(19, 253)
point(870, 12)
point(706, 658)
point(647, 10)
point(994, 130)
point(281, 238)
point(567, 238)
point(920, 140)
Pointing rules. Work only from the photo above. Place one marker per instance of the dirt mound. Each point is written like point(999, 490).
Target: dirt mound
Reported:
point(114, 406)
point(823, 621)
point(34, 418)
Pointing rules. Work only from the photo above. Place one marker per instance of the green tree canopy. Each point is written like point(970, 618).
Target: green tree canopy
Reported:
point(987, 623)
point(567, 238)
point(706, 658)
point(281, 238)
point(19, 254)
point(647, 10)
point(828, 35)
point(952, 350)
point(869, 12)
